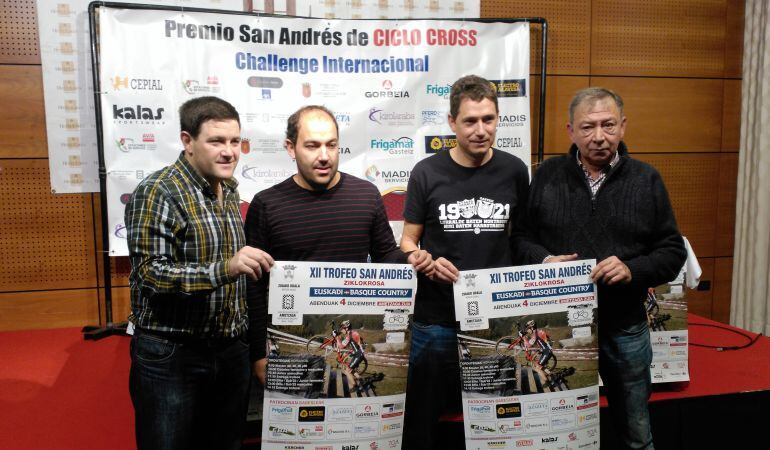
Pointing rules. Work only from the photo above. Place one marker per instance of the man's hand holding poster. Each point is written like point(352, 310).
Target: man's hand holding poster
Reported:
point(529, 356)
point(338, 354)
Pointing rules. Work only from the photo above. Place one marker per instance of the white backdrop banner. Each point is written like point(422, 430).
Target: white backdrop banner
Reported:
point(387, 82)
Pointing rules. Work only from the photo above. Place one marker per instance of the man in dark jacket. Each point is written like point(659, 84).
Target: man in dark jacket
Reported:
point(597, 202)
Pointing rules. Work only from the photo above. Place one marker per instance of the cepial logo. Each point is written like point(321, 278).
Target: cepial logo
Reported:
point(119, 83)
point(372, 173)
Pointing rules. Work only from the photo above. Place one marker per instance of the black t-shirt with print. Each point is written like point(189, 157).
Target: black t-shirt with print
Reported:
point(466, 214)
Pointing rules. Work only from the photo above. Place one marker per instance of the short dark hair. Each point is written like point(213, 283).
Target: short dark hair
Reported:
point(292, 125)
point(193, 113)
point(473, 87)
point(591, 95)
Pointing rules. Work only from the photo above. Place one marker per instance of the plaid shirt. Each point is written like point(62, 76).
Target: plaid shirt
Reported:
point(180, 241)
point(594, 185)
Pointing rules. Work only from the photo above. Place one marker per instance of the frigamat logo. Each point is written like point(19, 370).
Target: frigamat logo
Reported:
point(397, 146)
point(372, 173)
point(438, 89)
point(435, 144)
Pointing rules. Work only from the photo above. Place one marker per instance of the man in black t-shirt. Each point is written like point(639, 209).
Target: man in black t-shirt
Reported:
point(459, 206)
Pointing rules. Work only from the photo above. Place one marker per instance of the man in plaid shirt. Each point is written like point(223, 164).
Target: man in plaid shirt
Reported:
point(190, 370)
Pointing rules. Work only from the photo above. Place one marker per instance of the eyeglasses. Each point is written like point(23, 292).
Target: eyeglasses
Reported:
point(588, 129)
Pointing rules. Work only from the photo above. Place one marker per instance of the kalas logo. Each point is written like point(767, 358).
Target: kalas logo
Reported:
point(140, 112)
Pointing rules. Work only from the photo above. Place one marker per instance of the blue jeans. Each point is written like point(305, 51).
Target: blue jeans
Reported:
point(188, 394)
point(624, 363)
point(433, 383)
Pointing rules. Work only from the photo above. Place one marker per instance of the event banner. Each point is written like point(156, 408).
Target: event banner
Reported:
point(338, 352)
point(666, 307)
point(387, 82)
point(68, 88)
point(529, 356)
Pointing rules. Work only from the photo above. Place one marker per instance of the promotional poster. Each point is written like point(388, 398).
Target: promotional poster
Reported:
point(338, 354)
point(528, 351)
point(666, 307)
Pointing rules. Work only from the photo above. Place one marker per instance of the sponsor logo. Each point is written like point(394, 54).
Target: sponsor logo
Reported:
point(343, 119)
point(394, 443)
point(510, 427)
point(536, 424)
point(536, 408)
point(437, 143)
point(386, 91)
point(397, 146)
point(509, 142)
point(390, 427)
point(311, 413)
point(587, 401)
point(562, 422)
point(137, 114)
point(128, 145)
point(495, 444)
point(196, 87)
point(324, 447)
point(366, 429)
point(339, 431)
point(433, 117)
point(480, 411)
point(441, 90)
point(282, 413)
point(525, 443)
point(562, 405)
point(282, 431)
point(392, 410)
point(392, 119)
point(483, 428)
point(311, 432)
point(136, 84)
point(254, 173)
point(572, 436)
point(510, 88)
point(587, 417)
point(511, 120)
point(372, 173)
point(548, 439)
point(120, 231)
point(508, 410)
point(367, 411)
point(388, 176)
point(350, 447)
point(124, 198)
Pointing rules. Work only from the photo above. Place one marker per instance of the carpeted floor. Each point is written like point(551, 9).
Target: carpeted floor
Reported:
point(58, 391)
